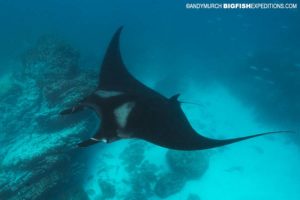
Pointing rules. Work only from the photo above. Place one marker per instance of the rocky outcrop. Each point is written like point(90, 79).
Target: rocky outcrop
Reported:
point(184, 166)
point(38, 154)
point(169, 184)
point(189, 164)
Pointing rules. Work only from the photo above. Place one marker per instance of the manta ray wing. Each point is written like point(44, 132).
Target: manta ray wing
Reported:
point(171, 129)
point(115, 77)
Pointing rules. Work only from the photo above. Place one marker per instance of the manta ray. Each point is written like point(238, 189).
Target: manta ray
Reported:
point(129, 109)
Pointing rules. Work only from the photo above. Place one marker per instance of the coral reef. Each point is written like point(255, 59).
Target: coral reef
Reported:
point(50, 57)
point(190, 164)
point(146, 179)
point(38, 158)
point(143, 174)
point(169, 184)
point(133, 155)
point(184, 166)
point(108, 189)
point(146, 171)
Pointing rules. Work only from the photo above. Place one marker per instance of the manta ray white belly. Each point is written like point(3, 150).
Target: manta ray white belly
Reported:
point(122, 112)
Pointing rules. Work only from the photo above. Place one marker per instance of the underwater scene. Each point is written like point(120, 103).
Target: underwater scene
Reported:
point(141, 100)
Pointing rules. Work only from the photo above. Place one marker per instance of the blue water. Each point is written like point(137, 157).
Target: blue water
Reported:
point(241, 66)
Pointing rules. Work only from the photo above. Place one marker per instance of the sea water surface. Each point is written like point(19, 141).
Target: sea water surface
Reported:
point(241, 68)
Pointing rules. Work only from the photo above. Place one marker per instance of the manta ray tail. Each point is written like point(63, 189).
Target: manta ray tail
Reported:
point(208, 143)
